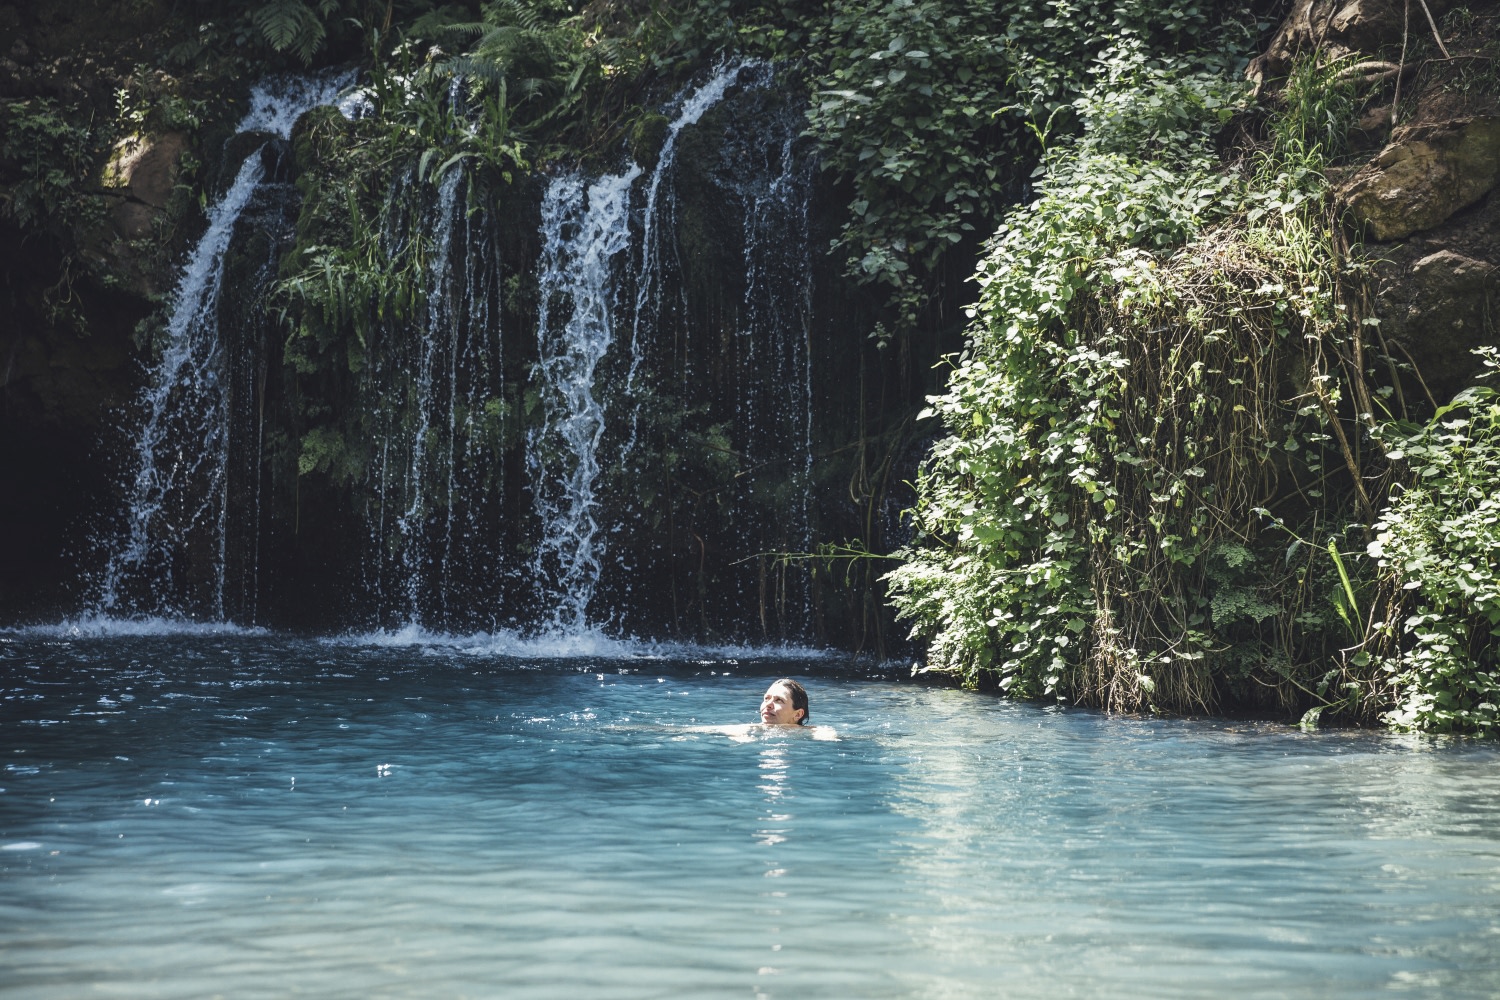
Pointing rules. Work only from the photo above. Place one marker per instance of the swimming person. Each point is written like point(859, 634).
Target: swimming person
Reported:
point(782, 708)
point(784, 704)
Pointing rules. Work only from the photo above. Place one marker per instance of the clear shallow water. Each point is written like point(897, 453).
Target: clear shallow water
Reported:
point(251, 815)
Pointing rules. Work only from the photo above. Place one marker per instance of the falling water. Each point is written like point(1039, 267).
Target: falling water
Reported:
point(440, 320)
point(774, 411)
point(435, 390)
point(593, 288)
point(649, 285)
point(584, 229)
point(175, 529)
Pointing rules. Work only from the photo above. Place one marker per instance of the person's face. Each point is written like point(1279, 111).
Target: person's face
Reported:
point(776, 707)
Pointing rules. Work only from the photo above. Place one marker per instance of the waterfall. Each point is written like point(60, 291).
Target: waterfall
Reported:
point(170, 558)
point(775, 413)
point(435, 390)
point(584, 230)
point(439, 321)
point(649, 285)
point(611, 263)
point(650, 438)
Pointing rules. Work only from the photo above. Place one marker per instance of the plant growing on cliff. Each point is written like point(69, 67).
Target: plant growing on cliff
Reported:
point(1159, 351)
point(935, 112)
point(49, 155)
point(1437, 546)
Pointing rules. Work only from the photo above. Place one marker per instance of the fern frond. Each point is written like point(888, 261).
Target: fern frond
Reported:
point(526, 15)
point(280, 22)
point(485, 70)
point(310, 40)
point(292, 26)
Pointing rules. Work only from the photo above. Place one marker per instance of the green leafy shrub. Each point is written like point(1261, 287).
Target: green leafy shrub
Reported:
point(934, 111)
point(1437, 546)
point(51, 155)
point(1159, 358)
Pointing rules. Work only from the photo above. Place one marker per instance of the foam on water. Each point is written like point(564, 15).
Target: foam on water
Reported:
point(585, 644)
point(590, 644)
point(96, 626)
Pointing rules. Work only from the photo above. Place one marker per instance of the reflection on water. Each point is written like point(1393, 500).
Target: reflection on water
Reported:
point(773, 769)
point(243, 815)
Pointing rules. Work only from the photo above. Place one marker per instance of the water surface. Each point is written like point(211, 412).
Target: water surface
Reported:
point(253, 815)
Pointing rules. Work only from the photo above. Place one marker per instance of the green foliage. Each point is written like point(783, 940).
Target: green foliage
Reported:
point(1158, 352)
point(560, 74)
point(906, 107)
point(934, 110)
point(52, 154)
point(1437, 546)
point(425, 113)
point(324, 450)
point(155, 102)
point(536, 56)
point(250, 36)
point(293, 26)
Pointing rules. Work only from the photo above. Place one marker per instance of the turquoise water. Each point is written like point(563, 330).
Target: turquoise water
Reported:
point(258, 816)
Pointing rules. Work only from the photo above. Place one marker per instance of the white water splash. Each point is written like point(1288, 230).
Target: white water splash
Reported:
point(105, 627)
point(177, 491)
point(277, 102)
point(584, 644)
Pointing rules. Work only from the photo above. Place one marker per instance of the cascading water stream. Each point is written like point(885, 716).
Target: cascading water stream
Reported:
point(576, 271)
point(649, 283)
point(434, 389)
point(441, 326)
point(776, 413)
point(594, 392)
point(177, 494)
point(585, 229)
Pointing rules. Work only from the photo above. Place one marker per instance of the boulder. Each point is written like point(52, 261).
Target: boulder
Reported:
point(142, 172)
point(1339, 28)
point(1426, 175)
point(1438, 312)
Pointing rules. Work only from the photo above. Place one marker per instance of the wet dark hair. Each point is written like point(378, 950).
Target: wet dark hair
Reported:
point(799, 697)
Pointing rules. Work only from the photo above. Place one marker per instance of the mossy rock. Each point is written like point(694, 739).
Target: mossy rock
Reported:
point(319, 136)
point(647, 136)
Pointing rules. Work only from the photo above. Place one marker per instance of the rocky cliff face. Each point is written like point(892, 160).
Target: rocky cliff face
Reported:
point(104, 155)
point(1428, 73)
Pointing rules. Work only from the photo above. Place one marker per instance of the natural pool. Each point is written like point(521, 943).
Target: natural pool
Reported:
point(259, 816)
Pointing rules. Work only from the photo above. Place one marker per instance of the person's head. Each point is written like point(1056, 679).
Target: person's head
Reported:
point(784, 704)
